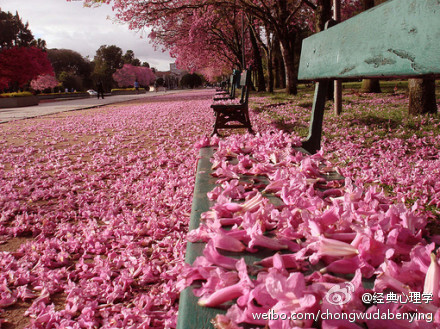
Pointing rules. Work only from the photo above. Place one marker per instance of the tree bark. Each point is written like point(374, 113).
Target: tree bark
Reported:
point(270, 75)
point(261, 84)
point(323, 14)
point(280, 74)
point(288, 37)
point(370, 86)
point(288, 52)
point(270, 60)
point(421, 96)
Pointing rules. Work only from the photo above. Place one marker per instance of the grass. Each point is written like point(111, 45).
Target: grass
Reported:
point(391, 116)
point(366, 119)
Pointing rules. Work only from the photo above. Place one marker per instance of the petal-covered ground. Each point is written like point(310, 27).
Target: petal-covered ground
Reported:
point(339, 241)
point(373, 142)
point(95, 204)
point(94, 212)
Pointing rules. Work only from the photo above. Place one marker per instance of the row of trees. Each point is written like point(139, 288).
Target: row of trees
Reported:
point(26, 62)
point(22, 58)
point(77, 72)
point(211, 36)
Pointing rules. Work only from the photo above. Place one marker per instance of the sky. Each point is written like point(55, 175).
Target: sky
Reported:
point(69, 25)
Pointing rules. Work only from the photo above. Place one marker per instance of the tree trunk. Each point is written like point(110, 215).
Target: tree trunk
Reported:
point(421, 96)
point(367, 4)
point(261, 84)
point(323, 13)
point(370, 86)
point(270, 75)
point(277, 69)
point(288, 52)
point(280, 74)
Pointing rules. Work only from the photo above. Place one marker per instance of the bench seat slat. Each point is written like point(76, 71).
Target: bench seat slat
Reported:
point(228, 107)
point(191, 315)
point(398, 39)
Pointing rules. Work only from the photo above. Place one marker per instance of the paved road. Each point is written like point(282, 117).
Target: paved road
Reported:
point(17, 113)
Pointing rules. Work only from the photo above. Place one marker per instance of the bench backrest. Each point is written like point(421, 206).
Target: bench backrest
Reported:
point(400, 38)
point(233, 83)
point(245, 84)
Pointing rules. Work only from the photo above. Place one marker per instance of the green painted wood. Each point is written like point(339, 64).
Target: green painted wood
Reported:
point(191, 315)
point(399, 38)
point(313, 141)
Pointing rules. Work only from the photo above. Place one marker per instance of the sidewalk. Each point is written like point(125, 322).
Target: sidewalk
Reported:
point(45, 108)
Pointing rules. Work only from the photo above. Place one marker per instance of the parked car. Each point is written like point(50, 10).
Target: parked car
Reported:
point(92, 92)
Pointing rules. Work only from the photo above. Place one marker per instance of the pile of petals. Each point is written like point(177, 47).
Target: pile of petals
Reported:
point(100, 200)
point(322, 235)
point(416, 178)
point(227, 101)
point(368, 141)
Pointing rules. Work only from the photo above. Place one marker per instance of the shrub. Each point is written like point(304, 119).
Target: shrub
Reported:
point(17, 94)
point(127, 89)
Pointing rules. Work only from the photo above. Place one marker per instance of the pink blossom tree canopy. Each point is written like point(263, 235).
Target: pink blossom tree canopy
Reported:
point(128, 74)
point(44, 81)
point(190, 30)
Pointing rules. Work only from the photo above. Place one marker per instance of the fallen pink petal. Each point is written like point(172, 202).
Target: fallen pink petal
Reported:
point(96, 205)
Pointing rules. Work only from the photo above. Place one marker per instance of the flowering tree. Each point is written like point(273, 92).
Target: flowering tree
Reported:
point(128, 74)
point(284, 18)
point(44, 81)
point(203, 40)
point(19, 65)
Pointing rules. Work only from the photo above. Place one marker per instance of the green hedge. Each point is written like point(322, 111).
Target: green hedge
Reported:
point(126, 89)
point(19, 94)
point(64, 93)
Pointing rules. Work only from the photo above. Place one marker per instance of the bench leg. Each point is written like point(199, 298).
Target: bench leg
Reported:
point(248, 122)
point(222, 117)
point(217, 120)
point(313, 141)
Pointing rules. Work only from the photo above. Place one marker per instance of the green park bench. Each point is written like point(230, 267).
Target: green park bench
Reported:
point(191, 315)
point(398, 39)
point(230, 92)
point(230, 116)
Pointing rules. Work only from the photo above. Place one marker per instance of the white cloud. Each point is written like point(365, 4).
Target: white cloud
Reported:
point(69, 25)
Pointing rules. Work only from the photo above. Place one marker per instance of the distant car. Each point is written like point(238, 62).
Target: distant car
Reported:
point(92, 92)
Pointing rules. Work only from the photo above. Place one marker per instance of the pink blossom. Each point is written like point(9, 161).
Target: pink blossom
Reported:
point(432, 279)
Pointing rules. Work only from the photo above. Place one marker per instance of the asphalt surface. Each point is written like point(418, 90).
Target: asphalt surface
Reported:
point(56, 106)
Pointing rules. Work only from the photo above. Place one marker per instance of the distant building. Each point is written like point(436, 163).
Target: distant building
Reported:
point(174, 69)
point(172, 77)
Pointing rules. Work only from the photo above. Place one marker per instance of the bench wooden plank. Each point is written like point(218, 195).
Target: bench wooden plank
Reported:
point(191, 315)
point(399, 38)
